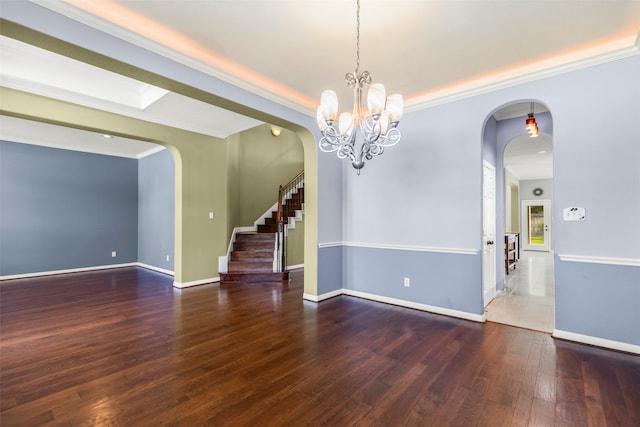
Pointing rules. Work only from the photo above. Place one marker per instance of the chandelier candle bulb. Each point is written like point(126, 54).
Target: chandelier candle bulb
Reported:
point(329, 104)
point(322, 123)
point(395, 105)
point(375, 99)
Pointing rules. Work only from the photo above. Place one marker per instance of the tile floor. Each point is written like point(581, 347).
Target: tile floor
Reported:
point(528, 300)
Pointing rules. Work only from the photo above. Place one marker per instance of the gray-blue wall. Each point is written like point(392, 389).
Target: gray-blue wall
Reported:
point(156, 210)
point(64, 209)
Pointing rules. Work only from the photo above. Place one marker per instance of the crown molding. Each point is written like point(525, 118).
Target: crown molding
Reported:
point(478, 87)
point(412, 103)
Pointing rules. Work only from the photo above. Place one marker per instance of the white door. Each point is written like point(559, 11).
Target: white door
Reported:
point(535, 223)
point(488, 233)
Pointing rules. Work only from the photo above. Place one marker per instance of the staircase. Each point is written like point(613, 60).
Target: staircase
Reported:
point(289, 208)
point(253, 257)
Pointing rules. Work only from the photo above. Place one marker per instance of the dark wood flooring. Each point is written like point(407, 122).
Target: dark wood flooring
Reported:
point(123, 348)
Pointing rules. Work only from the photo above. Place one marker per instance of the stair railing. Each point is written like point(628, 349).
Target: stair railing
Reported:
point(283, 193)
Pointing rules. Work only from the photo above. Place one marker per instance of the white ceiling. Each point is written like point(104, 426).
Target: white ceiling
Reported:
point(530, 158)
point(289, 51)
point(47, 135)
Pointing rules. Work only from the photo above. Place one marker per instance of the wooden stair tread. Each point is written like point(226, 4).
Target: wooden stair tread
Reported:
point(261, 277)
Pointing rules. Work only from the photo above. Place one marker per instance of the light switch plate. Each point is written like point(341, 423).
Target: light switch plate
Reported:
point(573, 214)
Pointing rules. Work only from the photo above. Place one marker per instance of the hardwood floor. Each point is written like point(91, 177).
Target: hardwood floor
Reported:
point(123, 348)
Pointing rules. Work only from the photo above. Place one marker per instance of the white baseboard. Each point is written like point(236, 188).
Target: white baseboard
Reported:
point(70, 270)
point(318, 298)
point(402, 303)
point(154, 268)
point(195, 283)
point(418, 306)
point(310, 297)
point(295, 267)
point(598, 342)
point(85, 269)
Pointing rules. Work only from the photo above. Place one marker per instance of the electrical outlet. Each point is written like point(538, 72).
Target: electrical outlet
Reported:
point(407, 282)
point(114, 254)
point(167, 258)
point(210, 215)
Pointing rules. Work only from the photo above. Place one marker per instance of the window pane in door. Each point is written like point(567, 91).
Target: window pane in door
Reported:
point(536, 225)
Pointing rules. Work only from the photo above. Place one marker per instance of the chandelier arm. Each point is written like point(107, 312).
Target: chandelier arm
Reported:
point(391, 138)
point(329, 142)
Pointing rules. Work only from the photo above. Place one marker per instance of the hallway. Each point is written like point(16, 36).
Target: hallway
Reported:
point(528, 301)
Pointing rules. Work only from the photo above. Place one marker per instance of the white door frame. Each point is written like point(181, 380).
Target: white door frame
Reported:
point(488, 233)
point(524, 225)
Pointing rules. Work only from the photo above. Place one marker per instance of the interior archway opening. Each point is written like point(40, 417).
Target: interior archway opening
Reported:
point(523, 293)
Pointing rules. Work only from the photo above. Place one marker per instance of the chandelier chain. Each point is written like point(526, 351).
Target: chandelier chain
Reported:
point(358, 37)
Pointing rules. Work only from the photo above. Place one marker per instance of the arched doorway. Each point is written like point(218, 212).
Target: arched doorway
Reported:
point(524, 226)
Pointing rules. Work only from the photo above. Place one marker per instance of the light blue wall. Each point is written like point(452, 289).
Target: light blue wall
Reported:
point(330, 277)
point(489, 142)
point(598, 300)
point(597, 167)
point(444, 280)
point(424, 193)
point(156, 210)
point(64, 209)
point(427, 190)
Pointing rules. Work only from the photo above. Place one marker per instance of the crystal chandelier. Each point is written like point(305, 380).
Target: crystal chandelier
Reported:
point(378, 124)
